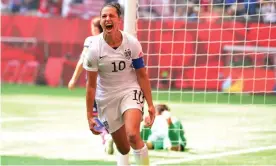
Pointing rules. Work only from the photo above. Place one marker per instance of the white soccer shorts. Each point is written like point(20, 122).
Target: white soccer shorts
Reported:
point(111, 110)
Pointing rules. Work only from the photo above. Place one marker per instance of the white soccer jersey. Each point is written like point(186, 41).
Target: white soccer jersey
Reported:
point(86, 44)
point(116, 75)
point(87, 41)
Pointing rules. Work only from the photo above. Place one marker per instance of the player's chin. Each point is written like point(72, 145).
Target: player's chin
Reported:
point(109, 30)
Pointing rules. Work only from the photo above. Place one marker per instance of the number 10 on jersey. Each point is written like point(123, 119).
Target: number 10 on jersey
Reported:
point(118, 66)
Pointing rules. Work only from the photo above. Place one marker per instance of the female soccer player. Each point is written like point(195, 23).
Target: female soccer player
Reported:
point(95, 30)
point(176, 131)
point(115, 68)
point(167, 132)
point(156, 136)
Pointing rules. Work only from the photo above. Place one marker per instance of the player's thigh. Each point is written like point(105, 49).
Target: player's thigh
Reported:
point(132, 118)
point(132, 109)
point(120, 139)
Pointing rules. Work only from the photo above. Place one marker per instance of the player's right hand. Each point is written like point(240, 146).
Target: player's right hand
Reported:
point(71, 84)
point(92, 123)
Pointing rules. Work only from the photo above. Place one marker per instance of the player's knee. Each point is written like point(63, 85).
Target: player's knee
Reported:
point(133, 138)
point(124, 150)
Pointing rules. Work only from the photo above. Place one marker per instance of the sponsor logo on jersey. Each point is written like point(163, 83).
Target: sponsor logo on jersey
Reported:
point(127, 53)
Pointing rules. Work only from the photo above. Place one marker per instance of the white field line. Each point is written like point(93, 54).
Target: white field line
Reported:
point(216, 155)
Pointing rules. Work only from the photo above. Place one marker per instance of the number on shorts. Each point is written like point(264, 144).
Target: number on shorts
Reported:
point(138, 96)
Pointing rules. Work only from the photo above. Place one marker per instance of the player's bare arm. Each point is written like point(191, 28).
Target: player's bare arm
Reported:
point(90, 97)
point(144, 83)
point(77, 72)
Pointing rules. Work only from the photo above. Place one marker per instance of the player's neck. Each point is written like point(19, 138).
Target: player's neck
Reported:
point(113, 40)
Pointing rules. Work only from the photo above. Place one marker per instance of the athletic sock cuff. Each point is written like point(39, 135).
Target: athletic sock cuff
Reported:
point(140, 150)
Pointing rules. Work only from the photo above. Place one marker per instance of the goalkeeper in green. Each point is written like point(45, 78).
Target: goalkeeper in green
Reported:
point(166, 133)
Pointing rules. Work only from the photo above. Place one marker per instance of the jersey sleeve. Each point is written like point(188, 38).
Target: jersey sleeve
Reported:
point(137, 50)
point(83, 53)
point(90, 60)
point(87, 42)
point(137, 56)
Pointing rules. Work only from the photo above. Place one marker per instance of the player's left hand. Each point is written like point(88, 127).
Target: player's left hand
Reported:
point(71, 84)
point(151, 117)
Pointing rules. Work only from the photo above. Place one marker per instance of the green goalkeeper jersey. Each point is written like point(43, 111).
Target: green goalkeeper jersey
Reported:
point(176, 133)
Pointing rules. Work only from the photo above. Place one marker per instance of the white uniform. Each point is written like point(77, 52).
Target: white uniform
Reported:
point(86, 44)
point(159, 129)
point(117, 85)
point(88, 41)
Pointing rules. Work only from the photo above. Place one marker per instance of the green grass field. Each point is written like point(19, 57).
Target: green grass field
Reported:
point(47, 126)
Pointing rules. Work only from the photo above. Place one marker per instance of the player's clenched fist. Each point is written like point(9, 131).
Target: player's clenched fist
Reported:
point(92, 124)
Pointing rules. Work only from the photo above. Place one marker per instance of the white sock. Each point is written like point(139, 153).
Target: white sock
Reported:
point(122, 160)
point(141, 156)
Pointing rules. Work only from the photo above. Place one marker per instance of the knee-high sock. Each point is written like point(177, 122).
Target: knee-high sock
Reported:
point(122, 160)
point(141, 156)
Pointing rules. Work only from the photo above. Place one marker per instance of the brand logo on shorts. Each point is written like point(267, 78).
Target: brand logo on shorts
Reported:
point(127, 53)
point(106, 125)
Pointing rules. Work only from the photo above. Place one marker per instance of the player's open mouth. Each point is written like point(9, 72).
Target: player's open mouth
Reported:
point(109, 26)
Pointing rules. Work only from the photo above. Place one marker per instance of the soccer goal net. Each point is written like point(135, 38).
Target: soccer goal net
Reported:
point(209, 51)
point(213, 63)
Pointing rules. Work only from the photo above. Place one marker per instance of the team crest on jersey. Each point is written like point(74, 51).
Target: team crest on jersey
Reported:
point(88, 63)
point(127, 53)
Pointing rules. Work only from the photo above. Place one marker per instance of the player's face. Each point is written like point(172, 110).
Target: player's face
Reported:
point(110, 21)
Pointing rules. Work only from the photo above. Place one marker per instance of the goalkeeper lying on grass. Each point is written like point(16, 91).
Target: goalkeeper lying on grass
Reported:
point(166, 132)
